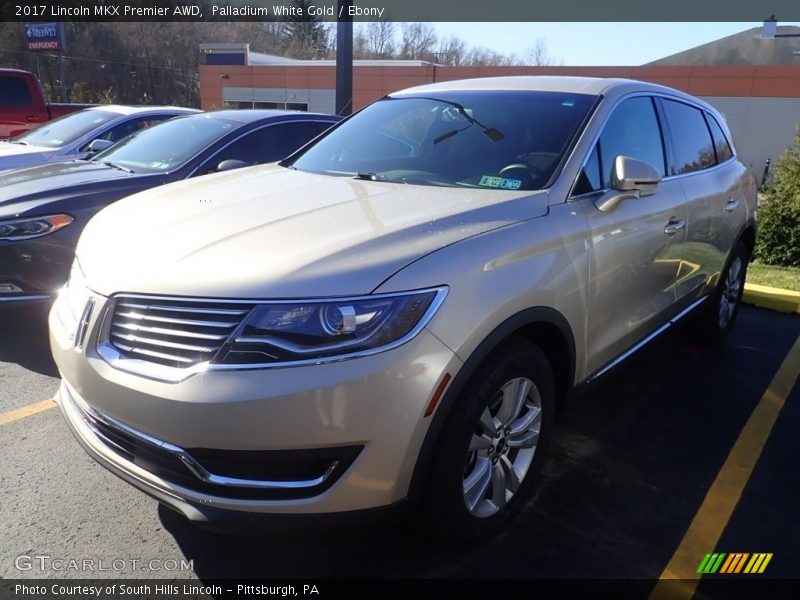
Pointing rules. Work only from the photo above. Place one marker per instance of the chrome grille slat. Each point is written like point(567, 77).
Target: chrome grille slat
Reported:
point(143, 317)
point(165, 344)
point(153, 354)
point(185, 309)
point(173, 332)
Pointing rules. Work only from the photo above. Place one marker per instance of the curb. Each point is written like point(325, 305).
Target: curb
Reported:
point(776, 299)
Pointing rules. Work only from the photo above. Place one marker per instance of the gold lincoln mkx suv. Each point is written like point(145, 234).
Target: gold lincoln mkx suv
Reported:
point(392, 315)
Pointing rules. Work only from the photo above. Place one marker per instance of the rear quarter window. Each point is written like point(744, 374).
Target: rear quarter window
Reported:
point(721, 144)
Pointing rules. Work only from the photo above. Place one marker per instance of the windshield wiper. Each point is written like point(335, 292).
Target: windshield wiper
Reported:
point(370, 176)
point(115, 166)
point(20, 142)
point(493, 134)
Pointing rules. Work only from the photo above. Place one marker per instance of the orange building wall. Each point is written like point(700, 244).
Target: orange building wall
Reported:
point(373, 82)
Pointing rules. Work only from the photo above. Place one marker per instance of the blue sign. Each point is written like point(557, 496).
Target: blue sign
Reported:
point(43, 36)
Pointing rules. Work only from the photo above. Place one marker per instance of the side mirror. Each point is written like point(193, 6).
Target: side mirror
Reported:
point(230, 164)
point(98, 145)
point(630, 178)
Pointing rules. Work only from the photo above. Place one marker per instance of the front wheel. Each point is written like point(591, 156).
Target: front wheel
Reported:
point(491, 447)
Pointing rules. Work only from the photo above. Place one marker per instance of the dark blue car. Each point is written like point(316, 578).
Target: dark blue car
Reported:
point(44, 209)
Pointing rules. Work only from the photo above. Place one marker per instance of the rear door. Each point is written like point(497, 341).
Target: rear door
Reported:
point(632, 270)
point(701, 158)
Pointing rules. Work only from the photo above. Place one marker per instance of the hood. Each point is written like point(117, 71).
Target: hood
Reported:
point(24, 190)
point(14, 156)
point(271, 232)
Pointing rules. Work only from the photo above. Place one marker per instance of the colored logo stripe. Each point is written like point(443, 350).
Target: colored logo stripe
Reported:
point(758, 563)
point(734, 563)
point(711, 563)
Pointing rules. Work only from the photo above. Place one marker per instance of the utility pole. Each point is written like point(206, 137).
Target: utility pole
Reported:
point(64, 88)
point(344, 60)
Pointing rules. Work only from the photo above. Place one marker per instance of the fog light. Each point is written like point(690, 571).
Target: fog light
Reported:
point(9, 288)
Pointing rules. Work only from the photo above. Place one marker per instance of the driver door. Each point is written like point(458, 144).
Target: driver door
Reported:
point(634, 246)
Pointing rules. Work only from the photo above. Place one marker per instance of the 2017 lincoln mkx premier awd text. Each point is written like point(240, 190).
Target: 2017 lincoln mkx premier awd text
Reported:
point(392, 314)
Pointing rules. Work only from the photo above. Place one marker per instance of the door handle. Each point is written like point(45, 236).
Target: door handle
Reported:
point(674, 226)
point(33, 119)
point(731, 205)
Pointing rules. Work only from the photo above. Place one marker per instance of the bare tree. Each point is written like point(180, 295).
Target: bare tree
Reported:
point(418, 41)
point(379, 39)
point(538, 55)
point(452, 51)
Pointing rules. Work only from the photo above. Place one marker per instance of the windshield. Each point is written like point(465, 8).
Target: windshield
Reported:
point(66, 129)
point(167, 145)
point(511, 140)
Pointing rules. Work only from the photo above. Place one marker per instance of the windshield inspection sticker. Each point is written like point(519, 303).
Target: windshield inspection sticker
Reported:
point(502, 183)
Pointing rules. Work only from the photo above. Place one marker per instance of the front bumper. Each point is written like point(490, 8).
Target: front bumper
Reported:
point(37, 268)
point(363, 418)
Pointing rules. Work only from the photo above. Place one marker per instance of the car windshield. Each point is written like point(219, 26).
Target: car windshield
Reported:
point(66, 129)
point(512, 140)
point(167, 145)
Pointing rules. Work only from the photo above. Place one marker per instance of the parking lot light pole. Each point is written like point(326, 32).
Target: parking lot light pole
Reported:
point(344, 60)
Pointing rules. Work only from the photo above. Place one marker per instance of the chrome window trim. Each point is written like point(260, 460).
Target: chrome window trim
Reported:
point(168, 374)
point(653, 94)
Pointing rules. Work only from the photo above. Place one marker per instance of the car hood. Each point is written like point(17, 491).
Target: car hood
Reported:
point(271, 232)
point(14, 156)
point(24, 190)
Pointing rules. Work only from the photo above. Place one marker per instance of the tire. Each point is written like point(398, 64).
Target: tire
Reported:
point(481, 475)
point(717, 320)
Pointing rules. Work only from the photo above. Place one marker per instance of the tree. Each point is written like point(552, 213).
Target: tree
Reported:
point(378, 39)
point(305, 36)
point(452, 51)
point(778, 240)
point(418, 42)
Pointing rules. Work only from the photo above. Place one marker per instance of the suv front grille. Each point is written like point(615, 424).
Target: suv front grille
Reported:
point(175, 333)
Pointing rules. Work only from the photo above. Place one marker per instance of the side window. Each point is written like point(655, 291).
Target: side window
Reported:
point(692, 148)
point(268, 144)
point(123, 130)
point(14, 92)
point(589, 179)
point(721, 144)
point(632, 130)
point(291, 136)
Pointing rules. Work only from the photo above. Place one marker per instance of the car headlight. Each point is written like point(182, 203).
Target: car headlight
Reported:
point(33, 227)
point(330, 329)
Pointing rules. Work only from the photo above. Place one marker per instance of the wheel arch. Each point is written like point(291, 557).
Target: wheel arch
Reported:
point(544, 326)
point(748, 236)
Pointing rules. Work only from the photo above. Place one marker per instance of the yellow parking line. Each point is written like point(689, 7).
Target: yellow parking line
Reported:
point(680, 578)
point(26, 411)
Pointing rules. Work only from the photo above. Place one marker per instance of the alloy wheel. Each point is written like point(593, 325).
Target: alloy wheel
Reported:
point(502, 448)
point(730, 293)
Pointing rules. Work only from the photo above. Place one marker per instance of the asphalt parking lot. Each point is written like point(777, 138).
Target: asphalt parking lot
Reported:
point(632, 462)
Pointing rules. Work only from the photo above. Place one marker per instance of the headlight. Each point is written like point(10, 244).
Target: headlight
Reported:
point(332, 329)
point(25, 229)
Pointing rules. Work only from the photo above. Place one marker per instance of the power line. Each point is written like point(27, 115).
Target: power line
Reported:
point(98, 60)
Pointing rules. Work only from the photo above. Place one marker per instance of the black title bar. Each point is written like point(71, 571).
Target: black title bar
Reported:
point(402, 10)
